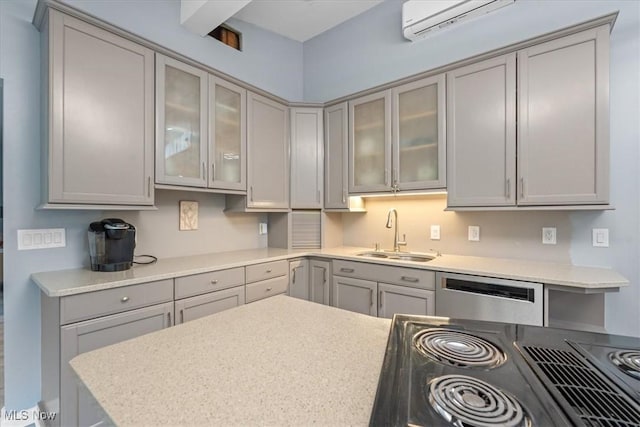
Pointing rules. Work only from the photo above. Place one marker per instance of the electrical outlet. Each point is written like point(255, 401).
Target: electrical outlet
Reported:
point(548, 235)
point(262, 228)
point(601, 237)
point(435, 232)
point(474, 233)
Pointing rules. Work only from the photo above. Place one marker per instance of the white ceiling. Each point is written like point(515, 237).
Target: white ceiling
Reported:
point(302, 19)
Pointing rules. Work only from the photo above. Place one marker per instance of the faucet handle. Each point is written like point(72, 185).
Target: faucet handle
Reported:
point(438, 253)
point(403, 242)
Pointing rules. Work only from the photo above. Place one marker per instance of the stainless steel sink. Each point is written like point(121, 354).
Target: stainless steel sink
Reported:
point(401, 256)
point(409, 257)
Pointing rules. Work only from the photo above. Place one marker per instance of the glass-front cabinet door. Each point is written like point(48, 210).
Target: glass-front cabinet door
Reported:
point(227, 135)
point(370, 143)
point(181, 123)
point(419, 134)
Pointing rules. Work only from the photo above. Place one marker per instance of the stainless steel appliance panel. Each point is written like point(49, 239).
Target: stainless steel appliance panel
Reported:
point(463, 296)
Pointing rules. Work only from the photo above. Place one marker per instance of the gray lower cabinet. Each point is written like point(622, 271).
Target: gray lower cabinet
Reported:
point(299, 279)
point(266, 280)
point(319, 281)
point(99, 116)
point(355, 295)
point(76, 407)
point(393, 299)
point(203, 305)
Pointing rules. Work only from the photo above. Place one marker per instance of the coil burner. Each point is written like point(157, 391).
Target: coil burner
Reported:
point(468, 402)
point(458, 349)
point(627, 361)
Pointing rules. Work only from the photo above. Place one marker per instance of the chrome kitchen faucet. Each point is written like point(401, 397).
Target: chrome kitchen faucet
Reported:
point(396, 240)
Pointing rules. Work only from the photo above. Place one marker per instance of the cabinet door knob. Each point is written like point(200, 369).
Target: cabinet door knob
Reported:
point(269, 270)
point(124, 299)
point(269, 289)
point(214, 282)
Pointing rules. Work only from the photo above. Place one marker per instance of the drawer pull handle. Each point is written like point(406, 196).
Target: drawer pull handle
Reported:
point(269, 270)
point(124, 299)
point(346, 270)
point(214, 282)
point(410, 279)
point(269, 289)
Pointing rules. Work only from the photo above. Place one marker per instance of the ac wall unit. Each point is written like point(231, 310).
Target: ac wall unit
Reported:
point(424, 17)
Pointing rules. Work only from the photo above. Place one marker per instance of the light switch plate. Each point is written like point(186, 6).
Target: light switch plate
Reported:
point(41, 239)
point(548, 235)
point(188, 215)
point(435, 232)
point(600, 237)
point(474, 233)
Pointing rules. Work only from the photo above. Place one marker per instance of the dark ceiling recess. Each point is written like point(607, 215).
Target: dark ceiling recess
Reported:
point(228, 36)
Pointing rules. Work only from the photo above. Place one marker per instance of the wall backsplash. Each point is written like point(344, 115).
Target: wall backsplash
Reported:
point(502, 234)
point(158, 231)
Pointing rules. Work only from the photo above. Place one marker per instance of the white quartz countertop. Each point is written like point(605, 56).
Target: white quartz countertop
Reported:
point(250, 365)
point(74, 281)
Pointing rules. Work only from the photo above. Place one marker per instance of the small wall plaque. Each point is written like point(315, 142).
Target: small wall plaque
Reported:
point(188, 215)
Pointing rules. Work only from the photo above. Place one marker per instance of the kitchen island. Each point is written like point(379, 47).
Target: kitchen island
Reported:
point(278, 361)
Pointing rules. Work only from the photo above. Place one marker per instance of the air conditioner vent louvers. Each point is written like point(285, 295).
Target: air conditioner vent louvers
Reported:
point(592, 398)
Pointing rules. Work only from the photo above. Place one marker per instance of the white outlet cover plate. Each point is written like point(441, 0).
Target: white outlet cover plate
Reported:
point(600, 237)
point(548, 235)
point(262, 228)
point(41, 239)
point(435, 232)
point(474, 233)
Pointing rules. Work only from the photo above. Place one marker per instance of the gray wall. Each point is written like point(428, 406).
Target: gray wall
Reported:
point(269, 61)
point(369, 50)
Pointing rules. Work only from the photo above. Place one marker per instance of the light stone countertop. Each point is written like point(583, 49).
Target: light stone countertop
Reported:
point(250, 365)
point(75, 281)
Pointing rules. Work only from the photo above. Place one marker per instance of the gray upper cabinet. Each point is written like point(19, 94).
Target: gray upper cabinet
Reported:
point(267, 153)
point(227, 135)
point(307, 164)
point(98, 102)
point(336, 121)
point(563, 120)
point(397, 138)
point(481, 133)
point(181, 123)
point(370, 143)
point(418, 134)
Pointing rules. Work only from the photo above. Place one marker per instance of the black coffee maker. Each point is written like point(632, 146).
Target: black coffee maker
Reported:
point(111, 245)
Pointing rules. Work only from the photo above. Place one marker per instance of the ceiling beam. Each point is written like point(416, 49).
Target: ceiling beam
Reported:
point(202, 16)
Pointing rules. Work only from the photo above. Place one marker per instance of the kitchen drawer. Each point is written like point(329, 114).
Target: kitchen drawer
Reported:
point(110, 301)
point(266, 288)
point(411, 277)
point(208, 282)
point(266, 270)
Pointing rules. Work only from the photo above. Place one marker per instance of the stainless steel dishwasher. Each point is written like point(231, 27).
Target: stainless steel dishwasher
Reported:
point(462, 296)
